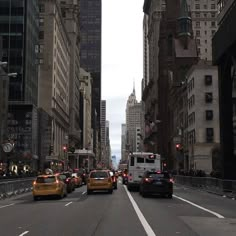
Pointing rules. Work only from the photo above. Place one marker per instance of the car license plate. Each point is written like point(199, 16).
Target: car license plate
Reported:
point(158, 183)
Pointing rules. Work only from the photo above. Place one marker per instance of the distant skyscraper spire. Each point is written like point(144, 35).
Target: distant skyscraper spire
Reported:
point(134, 87)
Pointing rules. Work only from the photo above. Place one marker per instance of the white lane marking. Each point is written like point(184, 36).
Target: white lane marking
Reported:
point(141, 217)
point(24, 233)
point(7, 205)
point(67, 204)
point(84, 192)
point(200, 207)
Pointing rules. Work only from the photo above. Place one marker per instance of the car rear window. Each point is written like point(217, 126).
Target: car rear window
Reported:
point(46, 179)
point(155, 175)
point(99, 174)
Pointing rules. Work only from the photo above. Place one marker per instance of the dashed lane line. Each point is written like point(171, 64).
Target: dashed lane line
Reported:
point(7, 205)
point(67, 204)
point(200, 207)
point(24, 233)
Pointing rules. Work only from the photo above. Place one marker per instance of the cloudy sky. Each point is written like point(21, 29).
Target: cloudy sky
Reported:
point(122, 60)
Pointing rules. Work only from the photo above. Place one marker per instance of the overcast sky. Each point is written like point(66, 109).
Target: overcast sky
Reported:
point(122, 60)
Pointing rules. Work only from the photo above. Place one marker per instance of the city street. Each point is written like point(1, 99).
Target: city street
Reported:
point(189, 213)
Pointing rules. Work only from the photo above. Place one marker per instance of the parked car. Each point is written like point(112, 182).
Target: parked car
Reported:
point(68, 180)
point(156, 182)
point(48, 185)
point(99, 180)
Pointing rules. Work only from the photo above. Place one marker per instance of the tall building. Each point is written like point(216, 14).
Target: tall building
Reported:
point(54, 80)
point(90, 55)
point(19, 33)
point(70, 14)
point(134, 114)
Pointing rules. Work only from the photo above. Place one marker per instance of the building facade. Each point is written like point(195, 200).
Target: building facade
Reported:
point(54, 73)
point(70, 14)
point(224, 56)
point(203, 117)
point(123, 142)
point(204, 24)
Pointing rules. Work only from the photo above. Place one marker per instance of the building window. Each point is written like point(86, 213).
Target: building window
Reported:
point(198, 24)
point(41, 8)
point(197, 33)
point(197, 14)
point(205, 6)
point(213, 24)
point(197, 6)
point(213, 15)
point(209, 134)
point(198, 42)
point(208, 97)
point(208, 79)
point(213, 32)
point(199, 51)
point(41, 35)
point(213, 6)
point(209, 115)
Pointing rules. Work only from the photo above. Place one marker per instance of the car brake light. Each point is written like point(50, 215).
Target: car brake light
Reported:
point(148, 180)
point(57, 181)
point(158, 172)
point(171, 180)
point(124, 175)
point(67, 180)
point(34, 183)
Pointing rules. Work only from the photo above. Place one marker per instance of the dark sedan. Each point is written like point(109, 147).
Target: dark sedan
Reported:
point(66, 177)
point(156, 182)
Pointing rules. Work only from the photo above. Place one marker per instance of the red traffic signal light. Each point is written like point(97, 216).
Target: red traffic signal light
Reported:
point(177, 146)
point(64, 148)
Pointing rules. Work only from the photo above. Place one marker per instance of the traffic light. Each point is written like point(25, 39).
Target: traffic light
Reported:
point(64, 148)
point(177, 147)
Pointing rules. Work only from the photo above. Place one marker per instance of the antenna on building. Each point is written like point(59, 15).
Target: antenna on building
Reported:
point(134, 87)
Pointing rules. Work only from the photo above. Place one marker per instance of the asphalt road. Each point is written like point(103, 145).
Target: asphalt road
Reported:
point(189, 213)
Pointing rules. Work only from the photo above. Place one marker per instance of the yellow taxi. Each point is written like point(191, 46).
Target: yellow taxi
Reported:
point(99, 180)
point(48, 185)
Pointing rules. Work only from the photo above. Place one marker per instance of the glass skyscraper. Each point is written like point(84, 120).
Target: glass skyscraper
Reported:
point(90, 52)
point(19, 31)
